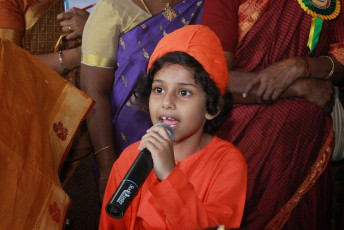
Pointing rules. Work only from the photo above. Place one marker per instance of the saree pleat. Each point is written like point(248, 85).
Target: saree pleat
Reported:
point(287, 144)
point(280, 164)
point(40, 115)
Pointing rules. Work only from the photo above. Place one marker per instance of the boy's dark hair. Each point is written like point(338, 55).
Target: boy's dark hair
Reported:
point(213, 99)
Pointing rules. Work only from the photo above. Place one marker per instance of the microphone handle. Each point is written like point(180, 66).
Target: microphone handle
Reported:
point(130, 185)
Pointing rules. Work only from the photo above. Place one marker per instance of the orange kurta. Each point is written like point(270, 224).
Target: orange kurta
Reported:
point(205, 190)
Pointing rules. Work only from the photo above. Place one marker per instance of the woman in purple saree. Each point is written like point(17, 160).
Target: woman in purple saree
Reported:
point(115, 54)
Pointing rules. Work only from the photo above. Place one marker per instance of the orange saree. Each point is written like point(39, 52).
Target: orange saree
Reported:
point(40, 114)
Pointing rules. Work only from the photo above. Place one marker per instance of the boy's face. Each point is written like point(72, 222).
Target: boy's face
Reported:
point(178, 101)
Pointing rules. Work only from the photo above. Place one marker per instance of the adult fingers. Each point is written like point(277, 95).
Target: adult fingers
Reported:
point(249, 87)
point(67, 29)
point(72, 10)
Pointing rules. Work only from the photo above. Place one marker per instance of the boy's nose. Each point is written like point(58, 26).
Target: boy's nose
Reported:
point(168, 102)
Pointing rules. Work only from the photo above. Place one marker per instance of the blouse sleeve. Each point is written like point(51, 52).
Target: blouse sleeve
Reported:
point(108, 21)
point(222, 17)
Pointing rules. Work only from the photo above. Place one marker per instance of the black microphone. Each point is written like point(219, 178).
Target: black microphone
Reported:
point(133, 180)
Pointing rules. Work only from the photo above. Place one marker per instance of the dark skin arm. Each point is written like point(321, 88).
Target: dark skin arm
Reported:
point(261, 90)
point(71, 58)
point(99, 120)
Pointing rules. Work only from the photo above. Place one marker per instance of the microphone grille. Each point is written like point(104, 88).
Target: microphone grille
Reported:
point(169, 130)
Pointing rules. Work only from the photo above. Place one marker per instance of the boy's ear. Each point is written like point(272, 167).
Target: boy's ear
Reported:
point(209, 116)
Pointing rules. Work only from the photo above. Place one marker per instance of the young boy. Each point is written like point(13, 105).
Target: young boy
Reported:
point(199, 180)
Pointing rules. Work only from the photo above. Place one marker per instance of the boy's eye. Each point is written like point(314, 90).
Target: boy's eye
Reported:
point(158, 90)
point(184, 93)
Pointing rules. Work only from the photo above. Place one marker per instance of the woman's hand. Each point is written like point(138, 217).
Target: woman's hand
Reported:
point(160, 145)
point(274, 80)
point(73, 21)
point(319, 93)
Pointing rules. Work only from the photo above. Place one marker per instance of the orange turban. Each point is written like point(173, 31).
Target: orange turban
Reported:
point(201, 43)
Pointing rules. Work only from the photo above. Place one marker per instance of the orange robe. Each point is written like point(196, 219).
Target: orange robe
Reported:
point(207, 189)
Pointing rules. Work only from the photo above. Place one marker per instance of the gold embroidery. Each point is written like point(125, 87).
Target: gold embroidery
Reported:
point(184, 22)
point(122, 43)
point(132, 104)
point(139, 43)
point(337, 50)
point(249, 12)
point(143, 26)
point(124, 138)
point(145, 54)
point(124, 81)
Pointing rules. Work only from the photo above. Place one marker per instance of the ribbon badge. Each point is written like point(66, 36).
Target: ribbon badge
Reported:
point(319, 10)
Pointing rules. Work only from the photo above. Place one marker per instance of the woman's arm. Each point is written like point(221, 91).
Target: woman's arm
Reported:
point(70, 59)
point(97, 83)
point(315, 90)
point(73, 22)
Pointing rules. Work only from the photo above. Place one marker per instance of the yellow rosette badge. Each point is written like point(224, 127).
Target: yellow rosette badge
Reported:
point(319, 10)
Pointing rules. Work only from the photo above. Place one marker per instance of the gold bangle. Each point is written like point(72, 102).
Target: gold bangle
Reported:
point(106, 147)
point(61, 61)
point(332, 70)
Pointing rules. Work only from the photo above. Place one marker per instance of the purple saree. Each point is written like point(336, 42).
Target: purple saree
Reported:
point(134, 49)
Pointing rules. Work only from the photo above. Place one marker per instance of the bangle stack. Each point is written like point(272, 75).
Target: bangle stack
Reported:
point(106, 147)
point(61, 61)
point(332, 69)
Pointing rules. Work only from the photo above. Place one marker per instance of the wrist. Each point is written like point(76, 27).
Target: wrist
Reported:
point(71, 58)
point(307, 67)
point(105, 159)
point(298, 89)
point(62, 65)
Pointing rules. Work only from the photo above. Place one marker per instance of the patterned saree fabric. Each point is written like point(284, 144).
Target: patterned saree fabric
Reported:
point(18, 15)
point(41, 113)
point(288, 144)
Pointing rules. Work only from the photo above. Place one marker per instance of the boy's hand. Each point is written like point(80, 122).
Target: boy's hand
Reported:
point(159, 143)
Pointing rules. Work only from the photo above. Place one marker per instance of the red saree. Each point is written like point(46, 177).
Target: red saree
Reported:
point(40, 114)
point(288, 144)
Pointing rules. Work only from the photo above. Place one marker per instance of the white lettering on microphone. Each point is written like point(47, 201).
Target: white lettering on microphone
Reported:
point(125, 194)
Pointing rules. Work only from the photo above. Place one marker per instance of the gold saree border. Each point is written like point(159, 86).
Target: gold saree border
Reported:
point(316, 171)
point(12, 35)
point(66, 119)
point(249, 12)
point(36, 11)
point(337, 50)
point(93, 60)
point(53, 213)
